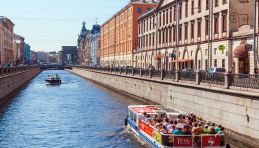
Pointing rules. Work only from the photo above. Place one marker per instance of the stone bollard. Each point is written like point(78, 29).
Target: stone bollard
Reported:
point(198, 77)
point(177, 76)
point(150, 73)
point(126, 71)
point(162, 74)
point(141, 72)
point(227, 80)
point(132, 71)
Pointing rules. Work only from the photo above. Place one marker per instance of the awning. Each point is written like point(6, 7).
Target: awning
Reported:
point(182, 60)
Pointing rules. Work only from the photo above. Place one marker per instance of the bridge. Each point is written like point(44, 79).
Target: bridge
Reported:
point(55, 67)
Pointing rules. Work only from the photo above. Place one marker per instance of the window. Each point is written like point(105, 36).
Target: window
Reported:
point(223, 63)
point(170, 15)
point(163, 17)
point(199, 6)
point(180, 33)
point(174, 13)
point(186, 8)
point(192, 29)
point(199, 28)
point(192, 7)
point(216, 3)
point(206, 51)
point(174, 34)
point(215, 51)
point(224, 22)
point(166, 16)
point(206, 26)
point(139, 10)
point(216, 23)
point(224, 2)
point(206, 64)
point(215, 62)
point(170, 35)
point(180, 11)
point(186, 31)
point(207, 4)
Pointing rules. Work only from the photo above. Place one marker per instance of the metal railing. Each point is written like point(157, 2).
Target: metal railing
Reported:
point(156, 73)
point(136, 71)
point(215, 78)
point(187, 75)
point(220, 79)
point(170, 74)
point(145, 72)
point(10, 70)
point(245, 80)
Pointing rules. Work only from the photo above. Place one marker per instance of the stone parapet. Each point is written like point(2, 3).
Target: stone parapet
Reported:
point(230, 108)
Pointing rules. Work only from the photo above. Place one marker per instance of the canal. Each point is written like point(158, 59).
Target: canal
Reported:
point(77, 113)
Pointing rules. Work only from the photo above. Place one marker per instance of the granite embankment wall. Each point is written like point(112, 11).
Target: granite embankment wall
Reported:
point(235, 110)
point(9, 83)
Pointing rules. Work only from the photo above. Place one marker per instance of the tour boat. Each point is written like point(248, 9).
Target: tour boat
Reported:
point(152, 137)
point(53, 79)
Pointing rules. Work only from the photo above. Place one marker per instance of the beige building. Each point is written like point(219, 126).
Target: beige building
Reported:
point(6, 41)
point(197, 34)
point(18, 49)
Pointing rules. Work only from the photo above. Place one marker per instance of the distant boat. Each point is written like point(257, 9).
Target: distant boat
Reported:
point(53, 79)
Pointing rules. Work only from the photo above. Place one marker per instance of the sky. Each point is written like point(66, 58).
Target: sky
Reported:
point(49, 24)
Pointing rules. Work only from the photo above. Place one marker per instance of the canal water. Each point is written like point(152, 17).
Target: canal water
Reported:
point(77, 113)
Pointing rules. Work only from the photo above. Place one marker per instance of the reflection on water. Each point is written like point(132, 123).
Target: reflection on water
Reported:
point(77, 113)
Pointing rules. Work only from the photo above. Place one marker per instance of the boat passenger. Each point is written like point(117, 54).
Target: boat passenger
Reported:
point(163, 129)
point(155, 118)
point(206, 129)
point(170, 127)
point(148, 119)
point(221, 132)
point(179, 118)
point(144, 116)
point(166, 123)
point(177, 131)
point(217, 128)
point(197, 129)
point(212, 131)
point(186, 130)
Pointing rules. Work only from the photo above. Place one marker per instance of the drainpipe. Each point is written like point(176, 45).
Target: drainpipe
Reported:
point(254, 35)
point(177, 35)
point(210, 33)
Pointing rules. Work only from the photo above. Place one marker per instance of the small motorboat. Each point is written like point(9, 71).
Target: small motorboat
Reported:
point(53, 79)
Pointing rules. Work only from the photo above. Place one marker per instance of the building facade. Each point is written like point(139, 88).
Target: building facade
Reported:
point(82, 47)
point(27, 49)
point(95, 45)
point(197, 34)
point(18, 49)
point(119, 33)
point(6, 41)
point(69, 55)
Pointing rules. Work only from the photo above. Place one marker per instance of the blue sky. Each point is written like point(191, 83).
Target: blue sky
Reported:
point(49, 24)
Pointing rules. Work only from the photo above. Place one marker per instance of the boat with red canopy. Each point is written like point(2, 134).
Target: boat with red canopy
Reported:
point(151, 135)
